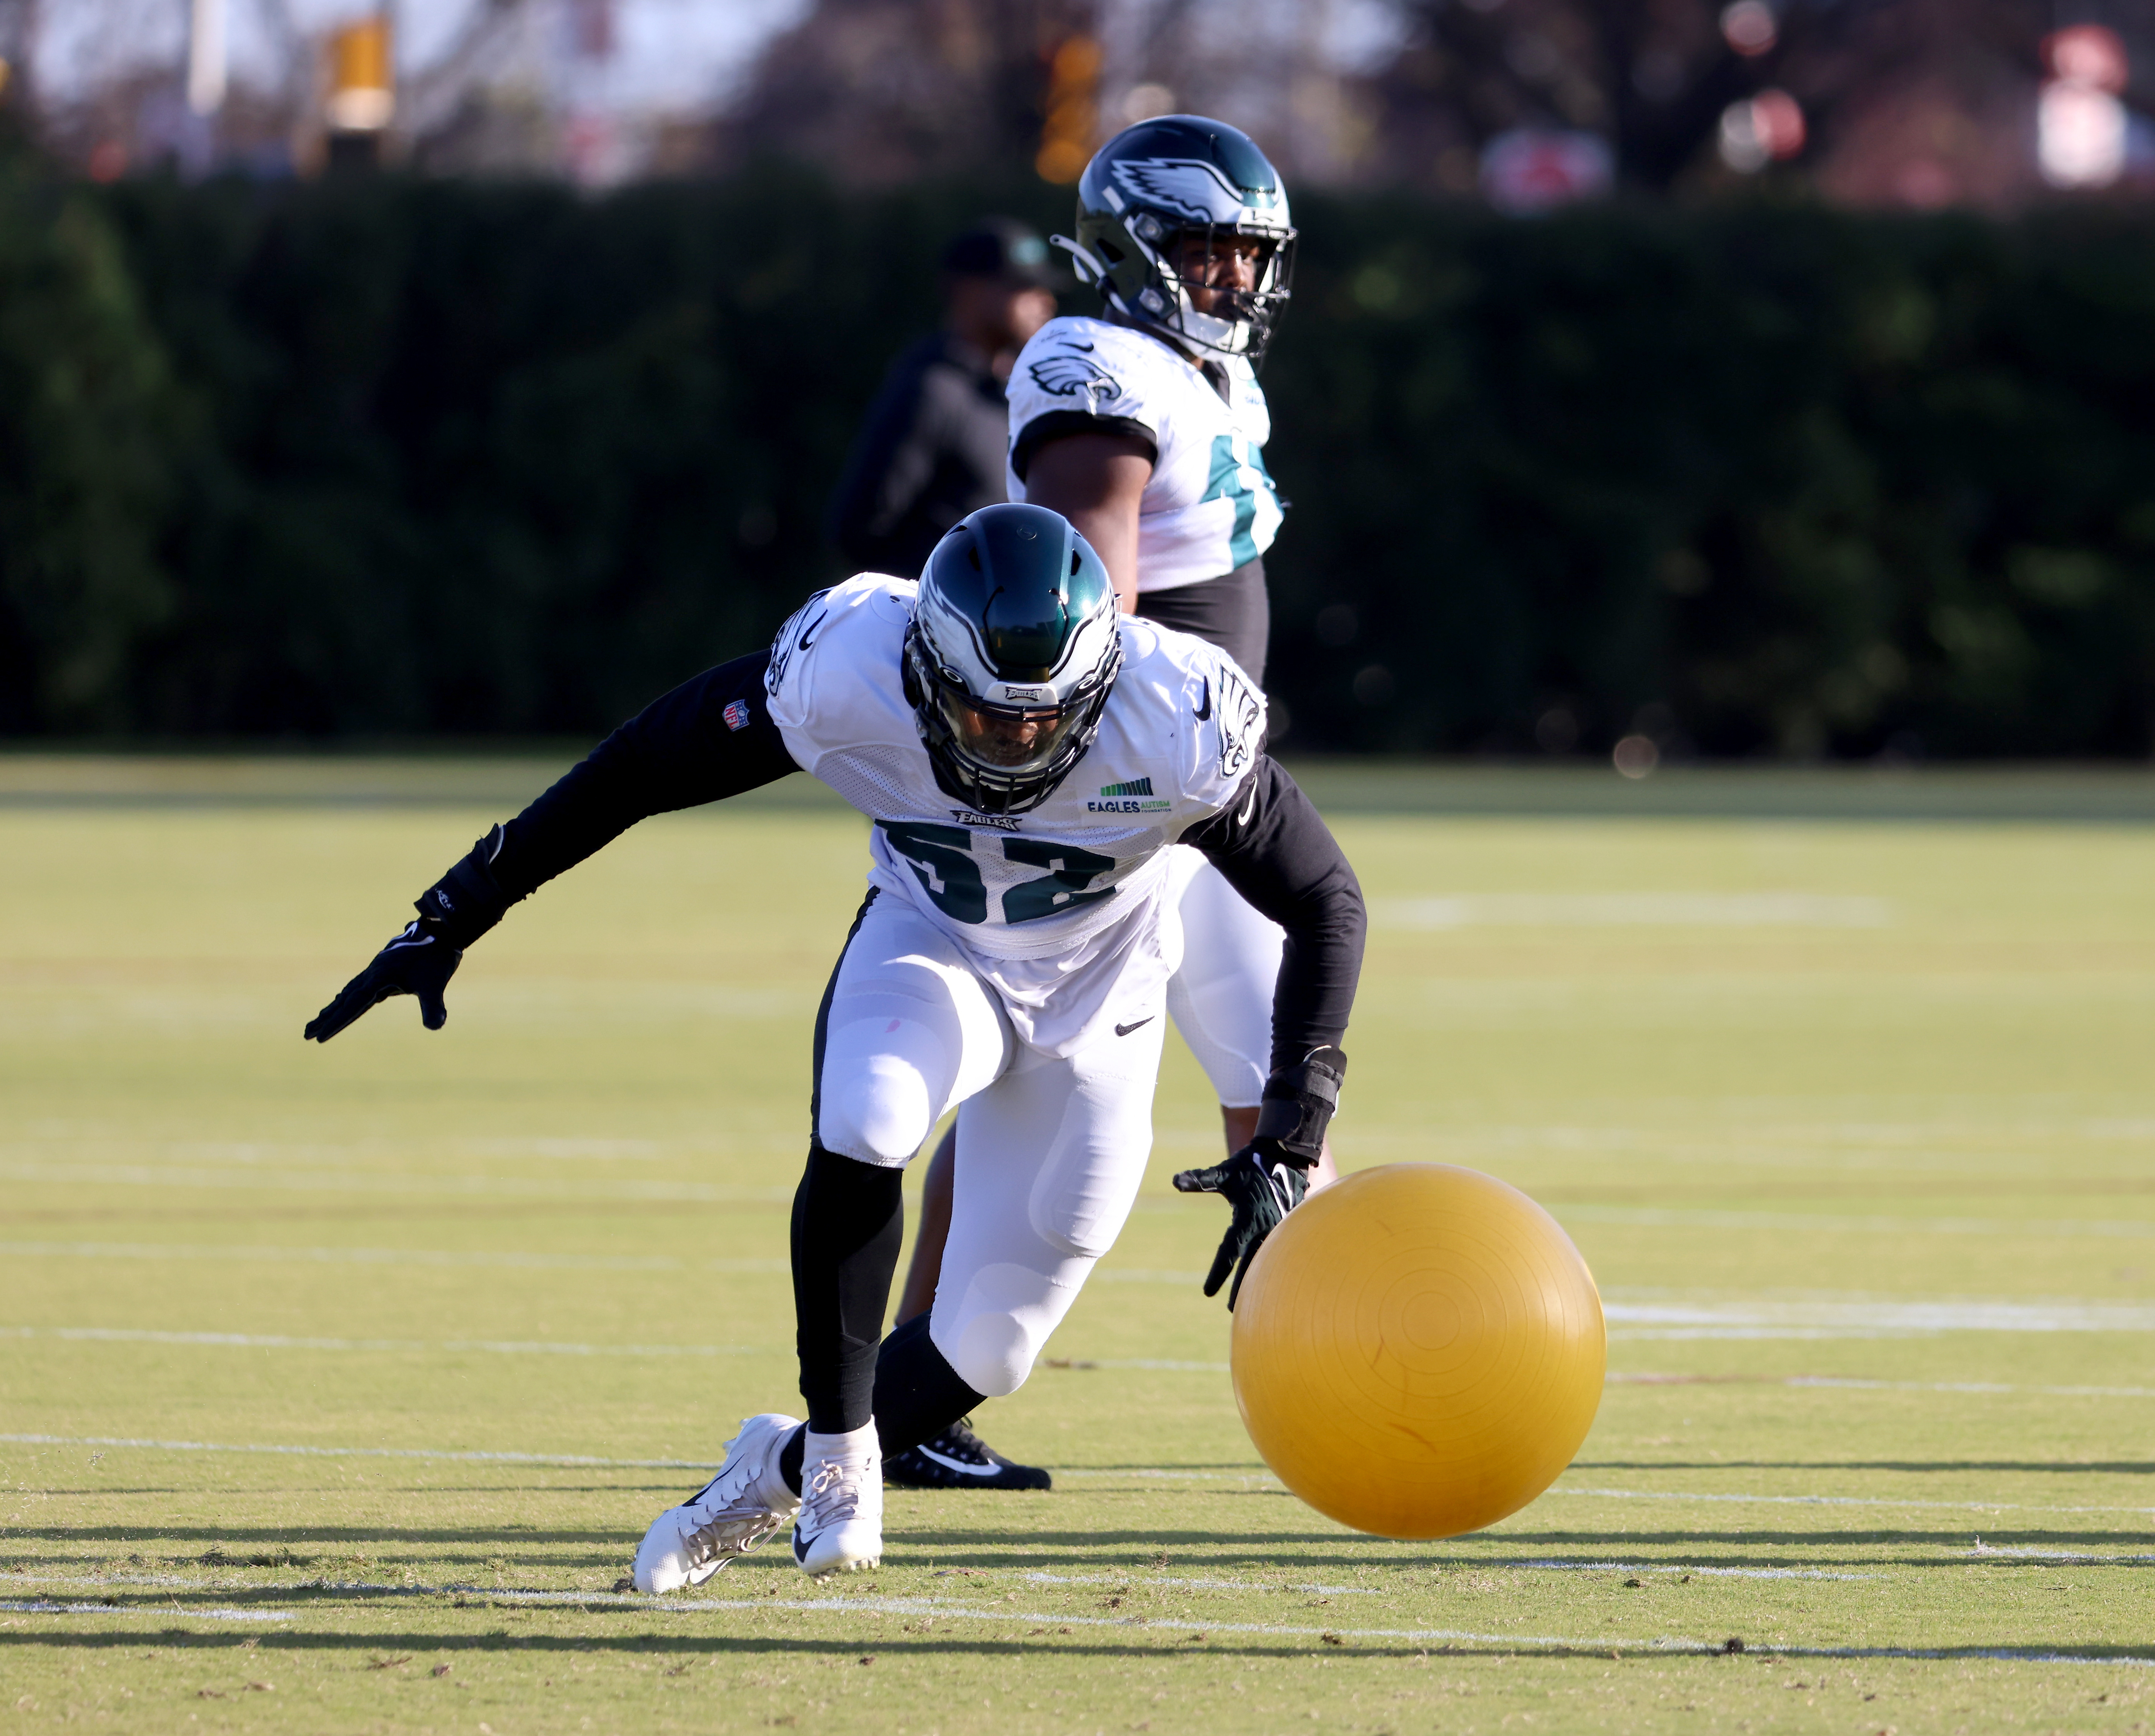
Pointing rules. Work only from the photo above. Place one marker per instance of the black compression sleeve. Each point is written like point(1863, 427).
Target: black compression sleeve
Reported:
point(1276, 851)
point(709, 739)
point(848, 1220)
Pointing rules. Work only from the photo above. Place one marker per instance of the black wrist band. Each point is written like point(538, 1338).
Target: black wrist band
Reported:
point(466, 901)
point(1298, 1104)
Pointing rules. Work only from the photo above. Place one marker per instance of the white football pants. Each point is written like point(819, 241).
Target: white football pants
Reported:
point(1050, 1152)
point(1221, 999)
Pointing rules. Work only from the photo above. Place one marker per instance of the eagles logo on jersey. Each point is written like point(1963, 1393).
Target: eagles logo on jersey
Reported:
point(1209, 505)
point(1070, 369)
point(1241, 723)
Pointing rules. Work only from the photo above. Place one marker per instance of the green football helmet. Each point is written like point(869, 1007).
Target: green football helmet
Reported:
point(1014, 647)
point(1156, 188)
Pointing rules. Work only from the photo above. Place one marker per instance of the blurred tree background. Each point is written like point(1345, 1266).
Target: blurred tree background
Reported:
point(1805, 417)
point(382, 457)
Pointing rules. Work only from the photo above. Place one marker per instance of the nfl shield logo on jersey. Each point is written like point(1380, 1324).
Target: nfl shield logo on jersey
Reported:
point(736, 714)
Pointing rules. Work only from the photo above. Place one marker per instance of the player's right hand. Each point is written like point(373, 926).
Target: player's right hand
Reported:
point(418, 962)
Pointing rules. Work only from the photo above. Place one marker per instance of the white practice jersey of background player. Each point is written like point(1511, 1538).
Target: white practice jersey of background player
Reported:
point(1209, 505)
point(1063, 911)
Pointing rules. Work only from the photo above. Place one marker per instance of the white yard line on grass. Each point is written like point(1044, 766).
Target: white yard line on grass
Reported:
point(1686, 1568)
point(1172, 1578)
point(271, 1341)
point(45, 1606)
point(1739, 1500)
point(505, 1347)
point(358, 1180)
point(1600, 1645)
point(1150, 1473)
point(1672, 1217)
point(940, 1609)
point(1867, 1317)
point(1634, 909)
point(1983, 1389)
point(1165, 1474)
point(224, 1252)
point(426, 1453)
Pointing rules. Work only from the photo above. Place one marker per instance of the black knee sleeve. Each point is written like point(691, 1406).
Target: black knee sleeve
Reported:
point(848, 1220)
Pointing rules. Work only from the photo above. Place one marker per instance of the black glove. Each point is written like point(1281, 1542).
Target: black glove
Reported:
point(453, 912)
point(1267, 1179)
point(418, 962)
point(1261, 1189)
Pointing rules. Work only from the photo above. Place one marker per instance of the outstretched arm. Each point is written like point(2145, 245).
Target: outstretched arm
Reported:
point(709, 738)
point(1272, 847)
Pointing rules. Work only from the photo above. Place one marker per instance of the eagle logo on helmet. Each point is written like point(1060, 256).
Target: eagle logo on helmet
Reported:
point(1196, 190)
point(1066, 373)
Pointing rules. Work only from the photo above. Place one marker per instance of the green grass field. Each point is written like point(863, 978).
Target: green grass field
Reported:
point(336, 1386)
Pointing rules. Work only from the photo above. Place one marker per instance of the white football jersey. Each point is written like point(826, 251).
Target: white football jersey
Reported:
point(1060, 910)
point(1209, 505)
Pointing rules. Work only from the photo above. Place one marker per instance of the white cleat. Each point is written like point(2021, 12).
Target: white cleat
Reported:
point(840, 1528)
point(736, 1511)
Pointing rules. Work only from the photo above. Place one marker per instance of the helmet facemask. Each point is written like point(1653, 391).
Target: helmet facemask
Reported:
point(1008, 665)
point(1204, 262)
point(998, 759)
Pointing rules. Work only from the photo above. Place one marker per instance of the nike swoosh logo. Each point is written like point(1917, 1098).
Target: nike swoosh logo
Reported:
point(804, 641)
point(952, 1464)
point(1205, 708)
point(1248, 809)
point(1121, 1031)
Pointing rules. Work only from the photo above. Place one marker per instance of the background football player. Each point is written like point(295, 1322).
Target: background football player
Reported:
point(1146, 428)
point(1012, 961)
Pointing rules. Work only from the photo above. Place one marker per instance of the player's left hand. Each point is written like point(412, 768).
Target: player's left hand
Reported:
point(1260, 1187)
point(418, 961)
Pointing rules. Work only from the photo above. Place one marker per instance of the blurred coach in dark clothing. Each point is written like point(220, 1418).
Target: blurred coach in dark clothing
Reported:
point(932, 447)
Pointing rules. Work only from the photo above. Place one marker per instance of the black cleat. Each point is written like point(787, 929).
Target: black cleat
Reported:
point(959, 1458)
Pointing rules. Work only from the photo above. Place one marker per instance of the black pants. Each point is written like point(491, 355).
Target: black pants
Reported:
point(1233, 612)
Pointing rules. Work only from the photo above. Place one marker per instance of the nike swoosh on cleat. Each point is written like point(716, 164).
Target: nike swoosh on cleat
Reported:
point(1205, 708)
point(1121, 1031)
point(952, 1464)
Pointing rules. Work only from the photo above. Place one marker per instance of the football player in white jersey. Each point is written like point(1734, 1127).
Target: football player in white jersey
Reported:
point(1146, 427)
point(1030, 759)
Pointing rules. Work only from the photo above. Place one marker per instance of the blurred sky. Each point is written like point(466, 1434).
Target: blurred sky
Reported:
point(673, 53)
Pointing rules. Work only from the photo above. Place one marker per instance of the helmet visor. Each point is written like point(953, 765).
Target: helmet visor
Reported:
point(1006, 740)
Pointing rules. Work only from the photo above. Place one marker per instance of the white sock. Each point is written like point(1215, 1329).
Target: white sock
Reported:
point(856, 1448)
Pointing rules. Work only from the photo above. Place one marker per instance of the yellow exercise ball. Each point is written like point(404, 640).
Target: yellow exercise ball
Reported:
point(1419, 1350)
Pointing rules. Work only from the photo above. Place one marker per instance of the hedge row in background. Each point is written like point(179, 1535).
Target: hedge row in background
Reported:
point(387, 457)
